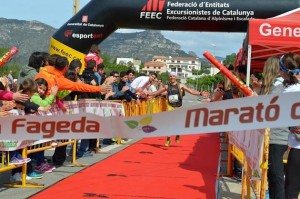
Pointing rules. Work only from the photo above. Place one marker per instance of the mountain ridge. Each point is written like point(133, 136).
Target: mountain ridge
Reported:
point(31, 36)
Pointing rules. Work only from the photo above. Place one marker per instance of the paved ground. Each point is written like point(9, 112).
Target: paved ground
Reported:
point(59, 173)
point(229, 188)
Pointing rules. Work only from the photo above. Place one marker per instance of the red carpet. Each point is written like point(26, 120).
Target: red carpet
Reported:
point(148, 169)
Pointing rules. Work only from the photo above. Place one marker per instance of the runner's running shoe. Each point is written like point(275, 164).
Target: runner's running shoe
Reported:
point(168, 142)
point(177, 139)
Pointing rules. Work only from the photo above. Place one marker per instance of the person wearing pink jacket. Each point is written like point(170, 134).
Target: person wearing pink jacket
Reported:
point(8, 95)
point(93, 54)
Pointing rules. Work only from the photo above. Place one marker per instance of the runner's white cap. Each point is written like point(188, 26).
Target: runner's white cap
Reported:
point(172, 74)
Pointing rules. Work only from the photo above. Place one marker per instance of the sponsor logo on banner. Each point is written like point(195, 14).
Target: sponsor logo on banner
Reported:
point(153, 9)
point(246, 114)
point(267, 29)
point(49, 128)
point(70, 33)
point(193, 11)
point(94, 25)
point(61, 49)
point(84, 19)
point(56, 123)
point(84, 23)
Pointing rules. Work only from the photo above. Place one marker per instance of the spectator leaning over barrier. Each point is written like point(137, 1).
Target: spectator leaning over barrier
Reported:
point(290, 66)
point(54, 75)
point(128, 95)
point(141, 83)
point(174, 96)
point(116, 94)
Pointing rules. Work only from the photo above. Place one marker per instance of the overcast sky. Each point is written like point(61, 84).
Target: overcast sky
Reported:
point(56, 12)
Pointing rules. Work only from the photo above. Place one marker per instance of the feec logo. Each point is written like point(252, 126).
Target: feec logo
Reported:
point(153, 9)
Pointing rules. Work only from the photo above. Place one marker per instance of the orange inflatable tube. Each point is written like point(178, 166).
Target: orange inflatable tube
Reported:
point(244, 88)
point(5, 58)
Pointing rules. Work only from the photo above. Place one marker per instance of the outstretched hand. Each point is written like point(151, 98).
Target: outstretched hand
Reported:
point(53, 90)
point(217, 95)
point(8, 105)
point(19, 96)
point(4, 113)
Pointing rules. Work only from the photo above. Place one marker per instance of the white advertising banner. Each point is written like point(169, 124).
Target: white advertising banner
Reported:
point(88, 122)
point(103, 109)
point(251, 143)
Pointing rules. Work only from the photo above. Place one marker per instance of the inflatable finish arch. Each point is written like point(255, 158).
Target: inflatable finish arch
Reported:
point(99, 18)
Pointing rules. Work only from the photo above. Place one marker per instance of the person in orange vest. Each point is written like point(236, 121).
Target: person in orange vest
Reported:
point(54, 75)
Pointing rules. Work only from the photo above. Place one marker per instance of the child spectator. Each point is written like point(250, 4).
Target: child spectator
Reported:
point(39, 98)
point(29, 87)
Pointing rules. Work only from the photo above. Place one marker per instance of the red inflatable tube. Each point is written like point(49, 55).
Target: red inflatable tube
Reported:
point(12, 52)
point(244, 88)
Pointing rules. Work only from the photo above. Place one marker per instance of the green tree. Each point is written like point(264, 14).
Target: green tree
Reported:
point(141, 66)
point(130, 64)
point(207, 82)
point(164, 76)
point(218, 78)
point(230, 59)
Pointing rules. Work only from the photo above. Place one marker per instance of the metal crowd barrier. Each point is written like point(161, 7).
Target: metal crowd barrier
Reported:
point(132, 108)
point(33, 149)
point(258, 187)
